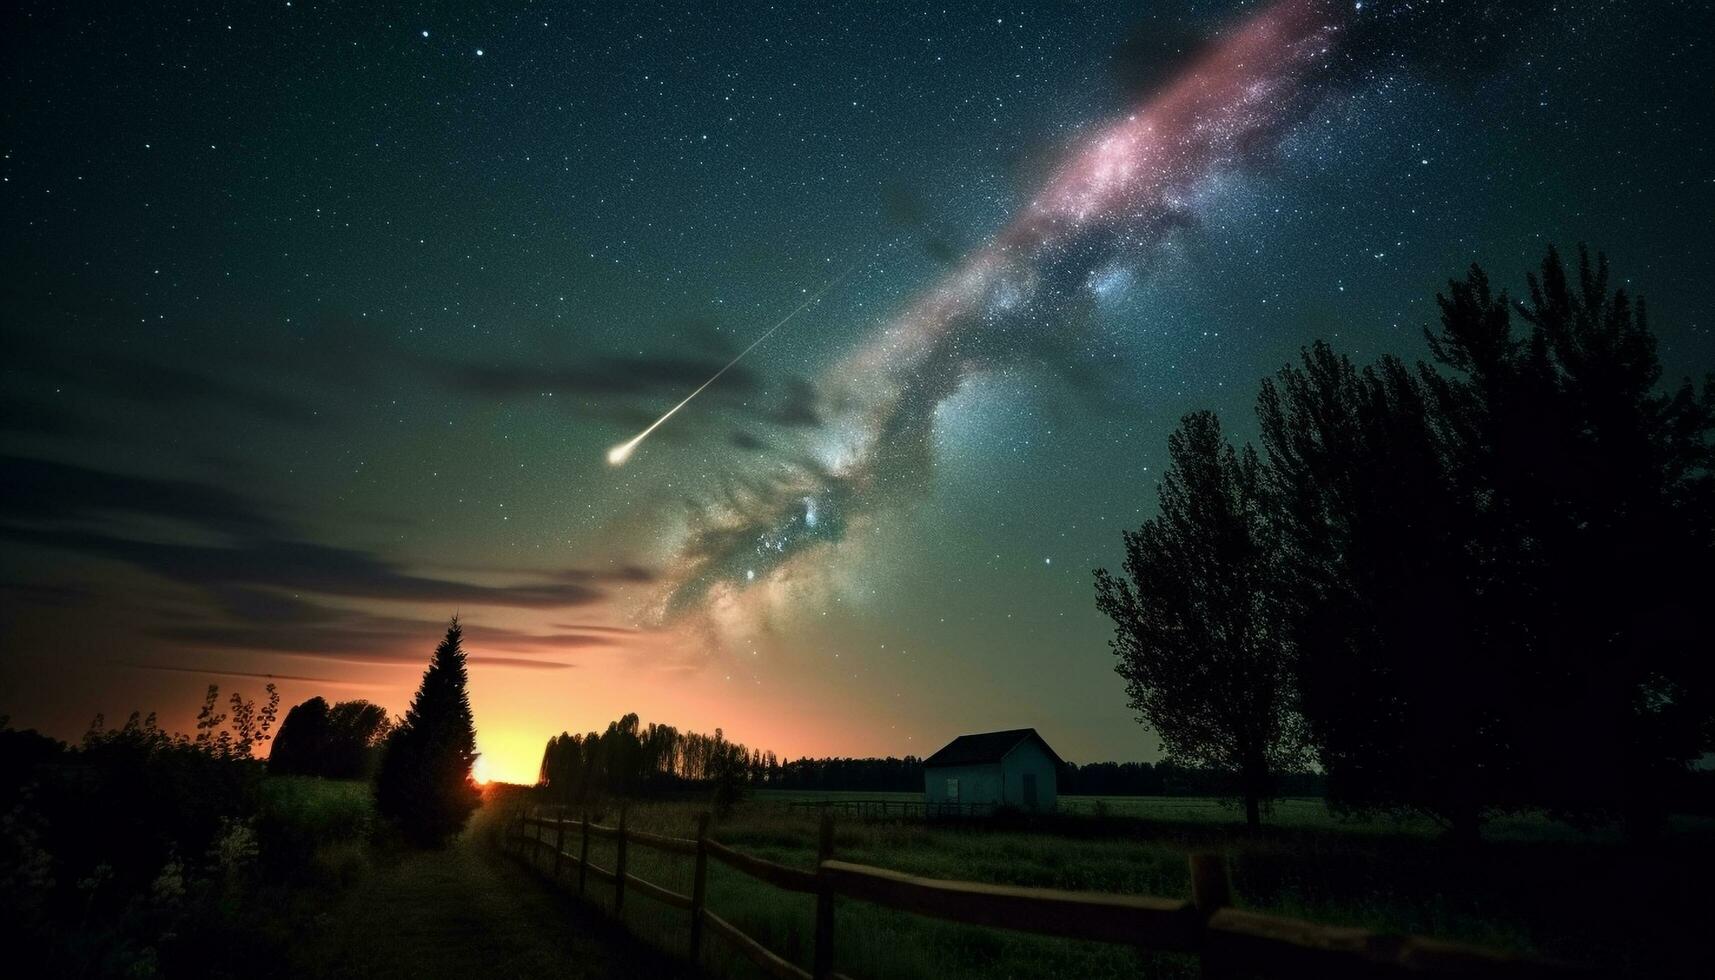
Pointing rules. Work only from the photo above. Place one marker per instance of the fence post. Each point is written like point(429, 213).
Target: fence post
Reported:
point(583, 854)
point(1210, 892)
point(699, 888)
point(536, 852)
point(824, 961)
point(619, 870)
point(523, 821)
point(559, 845)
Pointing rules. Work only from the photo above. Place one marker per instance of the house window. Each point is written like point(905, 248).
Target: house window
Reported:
point(952, 789)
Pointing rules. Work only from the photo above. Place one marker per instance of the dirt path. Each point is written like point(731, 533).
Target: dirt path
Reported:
point(469, 912)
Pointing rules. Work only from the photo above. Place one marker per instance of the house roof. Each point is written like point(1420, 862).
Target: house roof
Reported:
point(986, 747)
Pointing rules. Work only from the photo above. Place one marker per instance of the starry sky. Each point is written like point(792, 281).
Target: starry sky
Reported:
point(321, 319)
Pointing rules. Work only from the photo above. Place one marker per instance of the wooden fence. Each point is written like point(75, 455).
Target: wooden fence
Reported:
point(895, 809)
point(1229, 942)
point(885, 809)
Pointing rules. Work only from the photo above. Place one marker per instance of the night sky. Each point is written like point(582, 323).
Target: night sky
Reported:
point(320, 321)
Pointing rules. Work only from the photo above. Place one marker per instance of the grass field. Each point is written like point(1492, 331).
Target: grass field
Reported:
point(1538, 887)
point(1298, 813)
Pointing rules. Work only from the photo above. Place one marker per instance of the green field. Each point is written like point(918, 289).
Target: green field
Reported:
point(1299, 813)
point(1538, 888)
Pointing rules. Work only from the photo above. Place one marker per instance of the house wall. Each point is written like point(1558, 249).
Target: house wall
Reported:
point(1028, 757)
point(977, 784)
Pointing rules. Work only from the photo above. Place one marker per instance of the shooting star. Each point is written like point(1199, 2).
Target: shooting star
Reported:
point(622, 452)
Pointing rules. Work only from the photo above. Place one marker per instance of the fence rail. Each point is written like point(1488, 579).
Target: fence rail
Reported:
point(1229, 942)
point(778, 875)
point(895, 809)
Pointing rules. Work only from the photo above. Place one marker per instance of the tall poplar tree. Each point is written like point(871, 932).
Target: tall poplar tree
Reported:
point(1199, 626)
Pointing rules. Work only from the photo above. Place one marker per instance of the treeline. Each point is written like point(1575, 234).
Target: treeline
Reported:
point(630, 758)
point(892, 775)
point(889, 775)
point(1462, 587)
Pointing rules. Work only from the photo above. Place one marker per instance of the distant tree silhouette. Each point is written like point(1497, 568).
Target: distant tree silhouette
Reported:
point(888, 775)
point(630, 758)
point(357, 731)
point(424, 785)
point(301, 745)
point(340, 742)
point(728, 772)
point(673, 761)
point(1199, 620)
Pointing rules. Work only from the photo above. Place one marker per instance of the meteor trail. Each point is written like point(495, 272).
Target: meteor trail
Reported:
point(622, 452)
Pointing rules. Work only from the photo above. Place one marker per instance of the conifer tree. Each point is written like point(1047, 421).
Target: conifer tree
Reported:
point(425, 784)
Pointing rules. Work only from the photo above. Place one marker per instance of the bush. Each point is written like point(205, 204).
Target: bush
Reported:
point(301, 817)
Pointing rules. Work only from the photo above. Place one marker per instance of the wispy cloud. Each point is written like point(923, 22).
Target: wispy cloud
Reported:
point(520, 662)
point(261, 675)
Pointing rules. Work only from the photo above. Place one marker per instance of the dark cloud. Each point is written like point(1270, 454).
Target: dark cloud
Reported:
point(359, 640)
point(499, 638)
point(746, 441)
point(626, 631)
point(43, 490)
point(255, 573)
point(222, 672)
point(602, 375)
point(521, 662)
point(259, 621)
point(307, 629)
point(634, 574)
point(25, 416)
point(797, 407)
point(48, 595)
point(631, 392)
point(94, 368)
point(300, 565)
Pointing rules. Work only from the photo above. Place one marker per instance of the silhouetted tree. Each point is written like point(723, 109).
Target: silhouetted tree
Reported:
point(1497, 561)
point(340, 742)
point(425, 784)
point(1398, 685)
point(1594, 505)
point(1199, 618)
point(357, 731)
point(728, 771)
point(301, 746)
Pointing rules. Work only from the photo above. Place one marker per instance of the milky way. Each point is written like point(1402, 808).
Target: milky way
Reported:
point(1109, 204)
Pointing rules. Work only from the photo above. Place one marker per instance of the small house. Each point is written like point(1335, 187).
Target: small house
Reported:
point(1012, 768)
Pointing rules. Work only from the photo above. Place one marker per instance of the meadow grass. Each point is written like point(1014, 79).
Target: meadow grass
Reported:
point(1537, 887)
point(331, 807)
point(316, 831)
